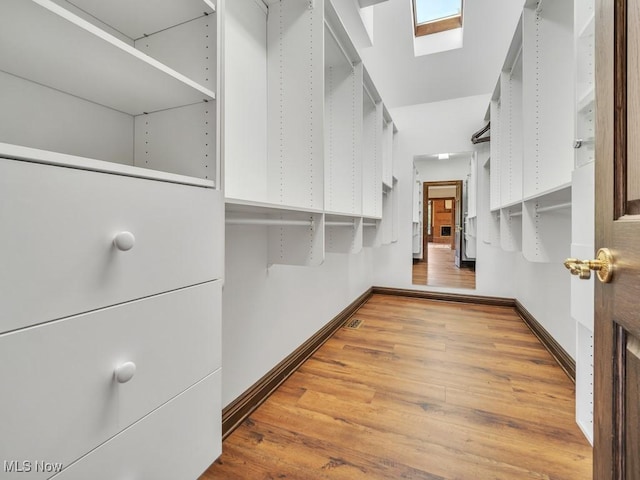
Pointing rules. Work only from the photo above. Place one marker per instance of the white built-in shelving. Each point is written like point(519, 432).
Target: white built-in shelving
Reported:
point(322, 140)
point(110, 160)
point(109, 89)
point(531, 114)
point(548, 95)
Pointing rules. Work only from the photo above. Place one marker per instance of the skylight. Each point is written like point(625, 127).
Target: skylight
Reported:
point(433, 16)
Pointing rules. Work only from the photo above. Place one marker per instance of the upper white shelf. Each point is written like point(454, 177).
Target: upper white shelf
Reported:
point(47, 44)
point(560, 192)
point(249, 206)
point(137, 18)
point(61, 159)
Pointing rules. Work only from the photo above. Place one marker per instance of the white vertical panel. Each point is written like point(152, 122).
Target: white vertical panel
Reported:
point(387, 153)
point(180, 140)
point(512, 135)
point(549, 90)
point(295, 32)
point(246, 95)
point(497, 133)
point(371, 236)
point(394, 211)
point(511, 228)
point(584, 380)
point(343, 139)
point(372, 158)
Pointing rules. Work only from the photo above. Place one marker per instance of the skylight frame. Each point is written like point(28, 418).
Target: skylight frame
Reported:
point(437, 25)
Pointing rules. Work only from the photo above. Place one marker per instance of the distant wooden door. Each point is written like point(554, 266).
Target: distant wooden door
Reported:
point(617, 312)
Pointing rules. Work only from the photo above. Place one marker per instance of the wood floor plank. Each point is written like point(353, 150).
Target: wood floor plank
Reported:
point(421, 390)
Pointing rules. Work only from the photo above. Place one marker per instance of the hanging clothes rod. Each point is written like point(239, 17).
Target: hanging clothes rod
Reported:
point(270, 222)
point(516, 214)
point(478, 136)
point(339, 224)
point(551, 208)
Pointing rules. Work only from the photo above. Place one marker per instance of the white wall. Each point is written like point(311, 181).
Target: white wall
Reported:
point(423, 130)
point(269, 312)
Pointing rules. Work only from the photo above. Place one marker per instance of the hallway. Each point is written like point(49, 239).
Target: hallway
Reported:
point(422, 390)
point(440, 270)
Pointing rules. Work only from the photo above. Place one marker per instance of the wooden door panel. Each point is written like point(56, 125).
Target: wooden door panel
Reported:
point(633, 107)
point(632, 407)
point(617, 321)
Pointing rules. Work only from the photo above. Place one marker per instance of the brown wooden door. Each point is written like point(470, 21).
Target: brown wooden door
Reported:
point(617, 314)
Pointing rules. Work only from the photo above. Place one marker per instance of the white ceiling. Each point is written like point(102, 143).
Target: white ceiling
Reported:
point(403, 79)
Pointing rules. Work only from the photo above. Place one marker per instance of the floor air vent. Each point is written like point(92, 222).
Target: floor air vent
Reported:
point(353, 323)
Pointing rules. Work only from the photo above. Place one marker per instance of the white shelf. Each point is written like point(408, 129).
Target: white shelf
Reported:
point(60, 159)
point(43, 42)
point(137, 18)
point(562, 192)
point(249, 206)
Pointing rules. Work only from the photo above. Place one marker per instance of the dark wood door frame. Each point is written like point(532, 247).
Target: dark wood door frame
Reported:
point(425, 199)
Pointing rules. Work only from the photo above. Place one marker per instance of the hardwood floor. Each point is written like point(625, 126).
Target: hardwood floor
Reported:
point(421, 390)
point(440, 270)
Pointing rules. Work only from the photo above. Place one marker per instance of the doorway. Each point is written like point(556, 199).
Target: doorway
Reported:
point(443, 262)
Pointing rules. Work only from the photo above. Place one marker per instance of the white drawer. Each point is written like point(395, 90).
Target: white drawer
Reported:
point(177, 442)
point(58, 224)
point(60, 396)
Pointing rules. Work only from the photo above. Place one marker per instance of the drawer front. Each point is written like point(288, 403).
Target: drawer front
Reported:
point(59, 257)
point(61, 397)
point(177, 442)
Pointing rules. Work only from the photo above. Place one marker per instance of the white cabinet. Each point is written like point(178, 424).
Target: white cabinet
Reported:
point(70, 385)
point(174, 441)
point(63, 223)
point(111, 282)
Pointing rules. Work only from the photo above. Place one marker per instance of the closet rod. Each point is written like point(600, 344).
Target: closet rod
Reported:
point(551, 208)
point(515, 214)
point(339, 224)
point(273, 222)
point(340, 47)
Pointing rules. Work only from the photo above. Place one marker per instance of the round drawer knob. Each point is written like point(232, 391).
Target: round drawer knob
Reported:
point(125, 372)
point(124, 241)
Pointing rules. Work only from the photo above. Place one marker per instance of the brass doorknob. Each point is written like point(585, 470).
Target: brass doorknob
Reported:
point(603, 264)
